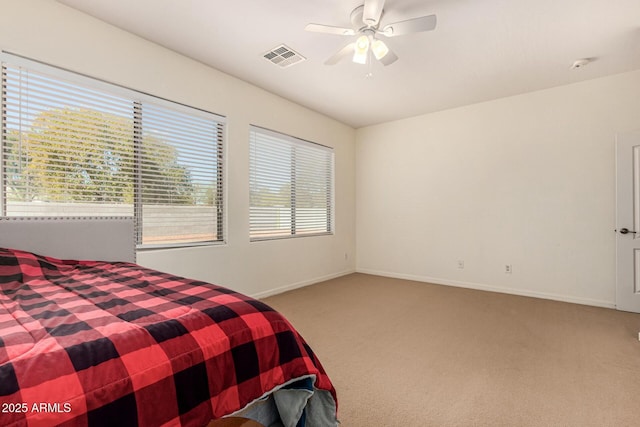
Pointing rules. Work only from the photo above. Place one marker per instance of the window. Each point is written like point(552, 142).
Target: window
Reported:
point(291, 186)
point(75, 146)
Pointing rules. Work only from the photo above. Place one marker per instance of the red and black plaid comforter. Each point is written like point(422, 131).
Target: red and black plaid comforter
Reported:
point(118, 344)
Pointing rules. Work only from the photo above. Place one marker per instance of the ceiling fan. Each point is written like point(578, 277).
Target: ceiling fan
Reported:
point(365, 22)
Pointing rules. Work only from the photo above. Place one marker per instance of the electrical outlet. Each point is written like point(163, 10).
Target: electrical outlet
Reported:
point(508, 269)
point(460, 264)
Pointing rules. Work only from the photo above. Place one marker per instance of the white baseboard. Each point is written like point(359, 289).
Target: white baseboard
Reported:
point(281, 289)
point(484, 287)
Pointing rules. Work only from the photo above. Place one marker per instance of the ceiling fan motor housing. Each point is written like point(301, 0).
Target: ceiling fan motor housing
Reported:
point(359, 24)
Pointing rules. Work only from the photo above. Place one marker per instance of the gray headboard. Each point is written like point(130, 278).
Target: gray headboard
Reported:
point(95, 238)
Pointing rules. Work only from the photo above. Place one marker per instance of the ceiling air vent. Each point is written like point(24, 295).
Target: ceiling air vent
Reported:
point(283, 56)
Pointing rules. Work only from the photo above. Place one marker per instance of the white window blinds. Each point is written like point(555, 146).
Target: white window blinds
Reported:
point(74, 146)
point(291, 186)
point(181, 176)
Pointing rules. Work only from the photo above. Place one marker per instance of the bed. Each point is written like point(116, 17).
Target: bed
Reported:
point(109, 342)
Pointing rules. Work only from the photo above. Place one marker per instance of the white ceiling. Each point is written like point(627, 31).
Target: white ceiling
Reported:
point(480, 49)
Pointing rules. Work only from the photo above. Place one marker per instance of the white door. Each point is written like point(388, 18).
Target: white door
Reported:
point(628, 222)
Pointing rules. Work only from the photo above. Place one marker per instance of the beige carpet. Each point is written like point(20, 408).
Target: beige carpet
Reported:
point(404, 353)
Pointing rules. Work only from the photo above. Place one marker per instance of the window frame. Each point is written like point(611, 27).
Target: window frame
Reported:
point(137, 98)
point(294, 142)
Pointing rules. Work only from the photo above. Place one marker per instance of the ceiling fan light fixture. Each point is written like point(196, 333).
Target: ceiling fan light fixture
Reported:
point(361, 50)
point(379, 49)
point(365, 22)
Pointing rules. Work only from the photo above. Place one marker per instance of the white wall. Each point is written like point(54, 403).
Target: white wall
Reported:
point(527, 180)
point(58, 35)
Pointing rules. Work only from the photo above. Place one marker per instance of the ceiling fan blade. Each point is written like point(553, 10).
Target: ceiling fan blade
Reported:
point(415, 25)
point(344, 52)
point(328, 29)
point(372, 12)
point(389, 58)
